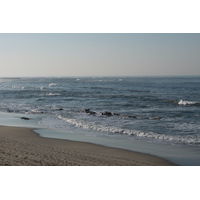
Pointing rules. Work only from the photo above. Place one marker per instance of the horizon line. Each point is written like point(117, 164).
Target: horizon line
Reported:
point(99, 76)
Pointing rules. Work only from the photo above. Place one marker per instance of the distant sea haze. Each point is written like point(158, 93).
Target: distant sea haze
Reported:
point(155, 109)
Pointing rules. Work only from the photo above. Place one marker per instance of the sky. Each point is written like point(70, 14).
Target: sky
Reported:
point(109, 54)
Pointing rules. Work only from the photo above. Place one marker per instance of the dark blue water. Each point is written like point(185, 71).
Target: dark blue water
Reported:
point(158, 109)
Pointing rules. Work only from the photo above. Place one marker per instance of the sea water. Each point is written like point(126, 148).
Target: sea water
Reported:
point(125, 112)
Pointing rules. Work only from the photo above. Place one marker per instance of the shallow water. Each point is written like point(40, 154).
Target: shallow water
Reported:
point(178, 154)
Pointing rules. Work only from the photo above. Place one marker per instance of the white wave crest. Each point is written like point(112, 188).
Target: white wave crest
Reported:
point(151, 135)
point(181, 102)
point(52, 94)
point(18, 87)
point(52, 84)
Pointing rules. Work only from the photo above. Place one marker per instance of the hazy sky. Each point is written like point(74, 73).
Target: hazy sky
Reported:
point(99, 54)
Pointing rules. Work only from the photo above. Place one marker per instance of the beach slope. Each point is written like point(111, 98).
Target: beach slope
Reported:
point(23, 147)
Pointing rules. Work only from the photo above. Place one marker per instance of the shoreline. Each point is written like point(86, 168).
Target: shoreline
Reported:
point(23, 147)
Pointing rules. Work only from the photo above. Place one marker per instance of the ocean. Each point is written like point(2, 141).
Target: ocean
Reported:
point(161, 113)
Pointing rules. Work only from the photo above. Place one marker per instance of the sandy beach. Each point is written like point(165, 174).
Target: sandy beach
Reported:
point(23, 147)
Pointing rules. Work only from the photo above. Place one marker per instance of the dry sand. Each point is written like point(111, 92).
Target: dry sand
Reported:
point(23, 147)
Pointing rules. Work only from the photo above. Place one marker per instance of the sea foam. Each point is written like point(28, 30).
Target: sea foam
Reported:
point(52, 94)
point(52, 84)
point(191, 140)
point(181, 102)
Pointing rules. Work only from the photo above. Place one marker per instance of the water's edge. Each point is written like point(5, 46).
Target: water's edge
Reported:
point(178, 154)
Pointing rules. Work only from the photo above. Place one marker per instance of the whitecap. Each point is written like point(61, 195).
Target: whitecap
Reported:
point(52, 94)
point(18, 87)
point(15, 87)
point(181, 102)
point(191, 140)
point(52, 84)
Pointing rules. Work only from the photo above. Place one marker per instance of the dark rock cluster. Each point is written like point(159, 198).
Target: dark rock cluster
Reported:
point(109, 114)
point(25, 118)
point(88, 111)
point(105, 113)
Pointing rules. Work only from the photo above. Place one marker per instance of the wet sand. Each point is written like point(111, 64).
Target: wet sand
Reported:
point(23, 147)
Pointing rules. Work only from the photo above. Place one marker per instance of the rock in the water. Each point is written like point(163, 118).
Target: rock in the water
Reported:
point(130, 116)
point(88, 111)
point(107, 113)
point(25, 118)
point(92, 113)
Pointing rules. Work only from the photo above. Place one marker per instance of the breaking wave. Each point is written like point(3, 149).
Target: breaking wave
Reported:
point(52, 84)
point(18, 87)
point(52, 94)
point(191, 140)
point(181, 102)
point(41, 88)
